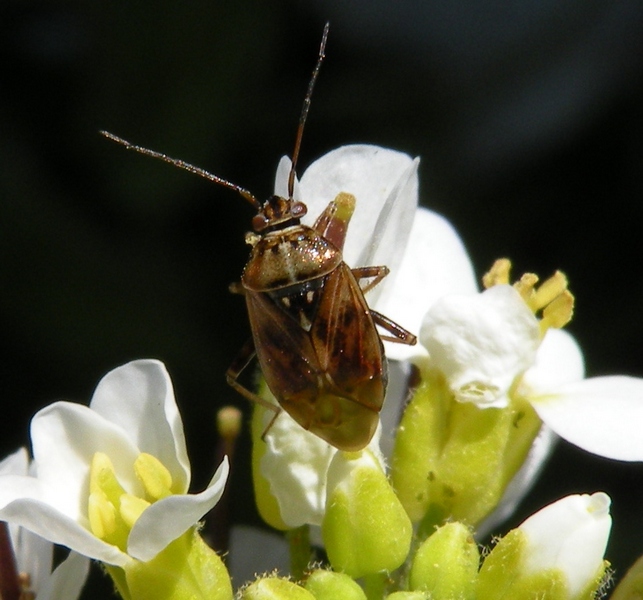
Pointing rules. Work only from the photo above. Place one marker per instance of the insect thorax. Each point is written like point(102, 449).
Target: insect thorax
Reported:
point(289, 256)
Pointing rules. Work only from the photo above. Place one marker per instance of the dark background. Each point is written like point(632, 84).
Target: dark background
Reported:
point(527, 116)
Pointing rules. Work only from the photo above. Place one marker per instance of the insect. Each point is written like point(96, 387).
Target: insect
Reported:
point(313, 334)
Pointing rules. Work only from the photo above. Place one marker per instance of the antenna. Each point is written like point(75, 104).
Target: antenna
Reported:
point(181, 164)
point(304, 111)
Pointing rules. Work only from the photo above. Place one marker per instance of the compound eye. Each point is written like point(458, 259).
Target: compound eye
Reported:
point(298, 210)
point(259, 222)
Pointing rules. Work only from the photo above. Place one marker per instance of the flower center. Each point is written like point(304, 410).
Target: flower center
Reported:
point(551, 297)
point(111, 510)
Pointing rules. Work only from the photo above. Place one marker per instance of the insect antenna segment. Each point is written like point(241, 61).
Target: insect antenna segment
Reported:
point(304, 111)
point(181, 164)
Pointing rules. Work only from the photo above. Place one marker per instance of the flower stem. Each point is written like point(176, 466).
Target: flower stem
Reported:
point(9, 584)
point(300, 551)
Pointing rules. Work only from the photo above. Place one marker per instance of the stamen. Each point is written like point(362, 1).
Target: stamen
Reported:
point(558, 312)
point(525, 287)
point(498, 274)
point(550, 289)
point(551, 297)
point(132, 508)
point(154, 476)
point(102, 478)
point(102, 515)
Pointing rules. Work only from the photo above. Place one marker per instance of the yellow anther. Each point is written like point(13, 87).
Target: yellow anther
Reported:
point(558, 312)
point(551, 297)
point(498, 274)
point(156, 479)
point(549, 290)
point(525, 286)
point(132, 508)
point(102, 515)
point(102, 478)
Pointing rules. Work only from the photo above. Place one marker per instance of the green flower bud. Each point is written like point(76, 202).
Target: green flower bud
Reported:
point(446, 564)
point(454, 460)
point(502, 576)
point(557, 553)
point(187, 569)
point(365, 528)
point(275, 588)
point(328, 585)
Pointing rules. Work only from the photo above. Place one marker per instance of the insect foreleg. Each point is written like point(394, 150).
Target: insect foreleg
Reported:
point(242, 360)
point(237, 288)
point(399, 334)
point(377, 273)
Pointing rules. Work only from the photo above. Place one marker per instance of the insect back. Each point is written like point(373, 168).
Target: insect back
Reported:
point(313, 333)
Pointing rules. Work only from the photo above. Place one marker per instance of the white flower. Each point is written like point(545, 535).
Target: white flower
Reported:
point(487, 346)
point(116, 468)
point(569, 535)
point(34, 555)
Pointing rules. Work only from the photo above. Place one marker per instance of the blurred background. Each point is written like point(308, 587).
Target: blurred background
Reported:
point(528, 117)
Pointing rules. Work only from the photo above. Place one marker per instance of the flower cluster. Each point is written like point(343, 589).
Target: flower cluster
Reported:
point(471, 415)
point(110, 480)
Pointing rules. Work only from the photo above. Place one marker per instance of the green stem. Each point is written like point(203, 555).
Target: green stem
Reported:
point(375, 585)
point(300, 551)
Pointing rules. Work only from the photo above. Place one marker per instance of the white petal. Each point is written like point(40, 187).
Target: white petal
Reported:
point(570, 534)
point(384, 183)
point(281, 180)
point(435, 263)
point(481, 342)
point(602, 415)
point(295, 465)
point(67, 581)
point(341, 473)
point(65, 437)
point(165, 520)
point(559, 360)
point(17, 463)
point(138, 397)
point(34, 555)
point(44, 520)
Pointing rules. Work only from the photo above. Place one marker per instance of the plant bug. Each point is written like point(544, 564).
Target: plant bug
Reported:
point(313, 334)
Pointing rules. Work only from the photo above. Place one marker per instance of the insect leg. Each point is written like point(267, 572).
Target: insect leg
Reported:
point(236, 287)
point(399, 334)
point(378, 273)
point(246, 354)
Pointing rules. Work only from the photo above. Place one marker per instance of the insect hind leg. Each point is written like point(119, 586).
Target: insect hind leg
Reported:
point(398, 333)
point(239, 364)
point(376, 273)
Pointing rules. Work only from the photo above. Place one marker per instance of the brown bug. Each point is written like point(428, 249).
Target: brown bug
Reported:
point(313, 333)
